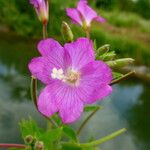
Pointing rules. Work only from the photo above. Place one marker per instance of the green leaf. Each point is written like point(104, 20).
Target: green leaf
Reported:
point(29, 127)
point(57, 119)
point(51, 135)
point(91, 108)
point(70, 133)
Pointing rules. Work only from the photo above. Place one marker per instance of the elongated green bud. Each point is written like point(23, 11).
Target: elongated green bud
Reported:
point(103, 49)
point(66, 32)
point(107, 56)
point(120, 62)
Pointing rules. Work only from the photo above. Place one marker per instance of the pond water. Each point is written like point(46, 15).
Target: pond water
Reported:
point(128, 106)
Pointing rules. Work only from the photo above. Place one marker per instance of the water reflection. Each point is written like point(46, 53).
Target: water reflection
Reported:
point(128, 106)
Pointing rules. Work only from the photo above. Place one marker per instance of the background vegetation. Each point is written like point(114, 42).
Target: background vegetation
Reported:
point(127, 28)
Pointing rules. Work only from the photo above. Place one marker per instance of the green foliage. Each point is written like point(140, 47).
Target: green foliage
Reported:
point(89, 108)
point(70, 133)
point(29, 127)
point(123, 46)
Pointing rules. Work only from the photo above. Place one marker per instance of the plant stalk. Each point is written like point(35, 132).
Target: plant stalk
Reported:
point(104, 139)
point(124, 77)
point(86, 120)
point(5, 145)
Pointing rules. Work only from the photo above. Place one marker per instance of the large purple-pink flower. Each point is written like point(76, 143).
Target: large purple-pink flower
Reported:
point(42, 9)
point(72, 76)
point(83, 14)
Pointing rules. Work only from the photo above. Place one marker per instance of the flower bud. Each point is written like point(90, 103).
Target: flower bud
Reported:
point(107, 56)
point(103, 49)
point(39, 145)
point(120, 62)
point(29, 139)
point(66, 32)
point(42, 10)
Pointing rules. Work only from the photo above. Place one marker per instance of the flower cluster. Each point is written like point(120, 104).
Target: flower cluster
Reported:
point(72, 77)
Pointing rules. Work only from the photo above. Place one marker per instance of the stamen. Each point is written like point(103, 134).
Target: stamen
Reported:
point(72, 77)
point(57, 74)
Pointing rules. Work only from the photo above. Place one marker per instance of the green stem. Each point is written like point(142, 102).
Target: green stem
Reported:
point(45, 31)
point(86, 120)
point(124, 77)
point(104, 139)
point(34, 98)
point(33, 90)
point(5, 145)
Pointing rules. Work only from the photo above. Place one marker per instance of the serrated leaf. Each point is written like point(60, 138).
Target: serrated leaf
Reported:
point(70, 133)
point(51, 135)
point(91, 108)
point(29, 127)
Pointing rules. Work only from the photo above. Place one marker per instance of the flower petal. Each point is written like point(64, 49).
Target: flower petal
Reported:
point(71, 111)
point(53, 51)
point(74, 15)
point(87, 12)
point(40, 69)
point(99, 93)
point(96, 75)
point(48, 46)
point(45, 104)
point(100, 19)
point(34, 3)
point(97, 70)
point(81, 52)
point(67, 101)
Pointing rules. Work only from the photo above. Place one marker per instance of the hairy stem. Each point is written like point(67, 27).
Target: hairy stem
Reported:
point(104, 139)
point(5, 145)
point(86, 120)
point(87, 33)
point(124, 77)
point(33, 90)
point(45, 31)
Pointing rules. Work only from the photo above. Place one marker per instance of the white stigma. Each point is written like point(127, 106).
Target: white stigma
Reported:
point(71, 77)
point(57, 74)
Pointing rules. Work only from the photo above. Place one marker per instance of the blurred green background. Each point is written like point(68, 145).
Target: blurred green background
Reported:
point(127, 30)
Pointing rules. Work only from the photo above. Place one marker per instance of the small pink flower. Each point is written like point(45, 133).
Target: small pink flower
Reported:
point(72, 76)
point(83, 14)
point(42, 9)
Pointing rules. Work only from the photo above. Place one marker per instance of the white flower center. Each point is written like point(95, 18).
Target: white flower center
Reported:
point(71, 77)
point(57, 74)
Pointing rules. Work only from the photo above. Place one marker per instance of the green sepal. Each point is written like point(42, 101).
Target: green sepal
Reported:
point(70, 133)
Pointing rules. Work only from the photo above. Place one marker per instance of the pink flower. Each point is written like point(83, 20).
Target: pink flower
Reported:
point(42, 9)
point(83, 14)
point(72, 76)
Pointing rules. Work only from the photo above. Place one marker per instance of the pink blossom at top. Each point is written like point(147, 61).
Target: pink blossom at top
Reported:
point(83, 14)
point(72, 76)
point(42, 9)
